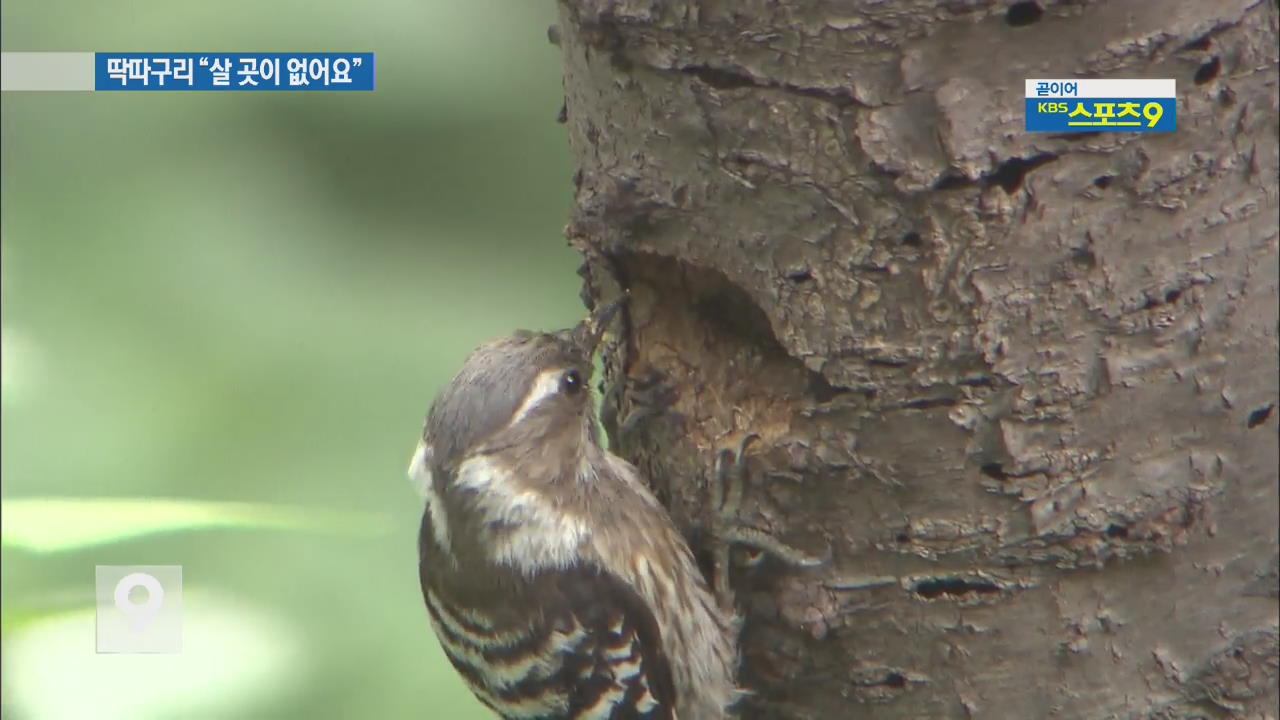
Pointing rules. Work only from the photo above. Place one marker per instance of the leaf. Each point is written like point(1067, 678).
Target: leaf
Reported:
point(57, 524)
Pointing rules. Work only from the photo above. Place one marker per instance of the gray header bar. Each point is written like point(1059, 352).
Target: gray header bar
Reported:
point(46, 71)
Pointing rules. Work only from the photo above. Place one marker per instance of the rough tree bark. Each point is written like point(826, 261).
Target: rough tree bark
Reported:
point(1022, 387)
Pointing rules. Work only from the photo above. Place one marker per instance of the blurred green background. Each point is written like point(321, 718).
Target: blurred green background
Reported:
point(252, 298)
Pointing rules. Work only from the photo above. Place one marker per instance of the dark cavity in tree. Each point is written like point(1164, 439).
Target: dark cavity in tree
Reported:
point(1259, 416)
point(994, 470)
point(823, 391)
point(1020, 14)
point(1208, 71)
point(954, 587)
point(1010, 173)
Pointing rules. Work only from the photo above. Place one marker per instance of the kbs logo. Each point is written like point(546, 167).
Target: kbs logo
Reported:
point(1064, 106)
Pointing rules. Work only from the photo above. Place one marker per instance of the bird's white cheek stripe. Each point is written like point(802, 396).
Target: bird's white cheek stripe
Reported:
point(420, 475)
point(537, 535)
point(546, 384)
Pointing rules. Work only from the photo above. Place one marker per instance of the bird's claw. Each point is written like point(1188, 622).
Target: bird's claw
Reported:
point(729, 529)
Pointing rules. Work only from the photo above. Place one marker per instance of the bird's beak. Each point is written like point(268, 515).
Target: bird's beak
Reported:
point(587, 334)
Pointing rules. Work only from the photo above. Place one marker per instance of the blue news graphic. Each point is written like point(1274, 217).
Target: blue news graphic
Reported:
point(1101, 105)
point(1091, 115)
point(234, 72)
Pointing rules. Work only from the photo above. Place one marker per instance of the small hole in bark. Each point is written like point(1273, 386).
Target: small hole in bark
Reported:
point(1208, 71)
point(799, 276)
point(1200, 43)
point(1103, 181)
point(889, 362)
point(950, 181)
point(720, 78)
point(1259, 416)
point(903, 538)
point(1172, 296)
point(895, 680)
point(1010, 173)
point(912, 239)
point(1226, 97)
point(994, 470)
point(1119, 531)
point(1023, 13)
point(926, 403)
point(954, 586)
point(821, 390)
point(1084, 258)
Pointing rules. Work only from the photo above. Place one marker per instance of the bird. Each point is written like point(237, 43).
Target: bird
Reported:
point(557, 584)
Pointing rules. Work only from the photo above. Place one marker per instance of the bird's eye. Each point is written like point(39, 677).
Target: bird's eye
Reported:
point(571, 381)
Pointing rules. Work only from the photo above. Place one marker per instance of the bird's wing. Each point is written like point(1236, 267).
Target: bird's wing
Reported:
point(621, 671)
point(576, 643)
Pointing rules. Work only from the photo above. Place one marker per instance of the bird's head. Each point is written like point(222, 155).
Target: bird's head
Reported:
point(529, 390)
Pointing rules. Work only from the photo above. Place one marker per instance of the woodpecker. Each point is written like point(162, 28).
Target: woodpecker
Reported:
point(556, 583)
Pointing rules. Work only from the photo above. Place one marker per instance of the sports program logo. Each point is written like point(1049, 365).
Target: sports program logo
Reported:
point(1065, 106)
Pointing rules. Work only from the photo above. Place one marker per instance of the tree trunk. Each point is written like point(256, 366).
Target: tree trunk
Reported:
point(1021, 386)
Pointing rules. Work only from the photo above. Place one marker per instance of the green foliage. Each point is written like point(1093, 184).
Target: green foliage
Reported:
point(243, 304)
point(58, 524)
